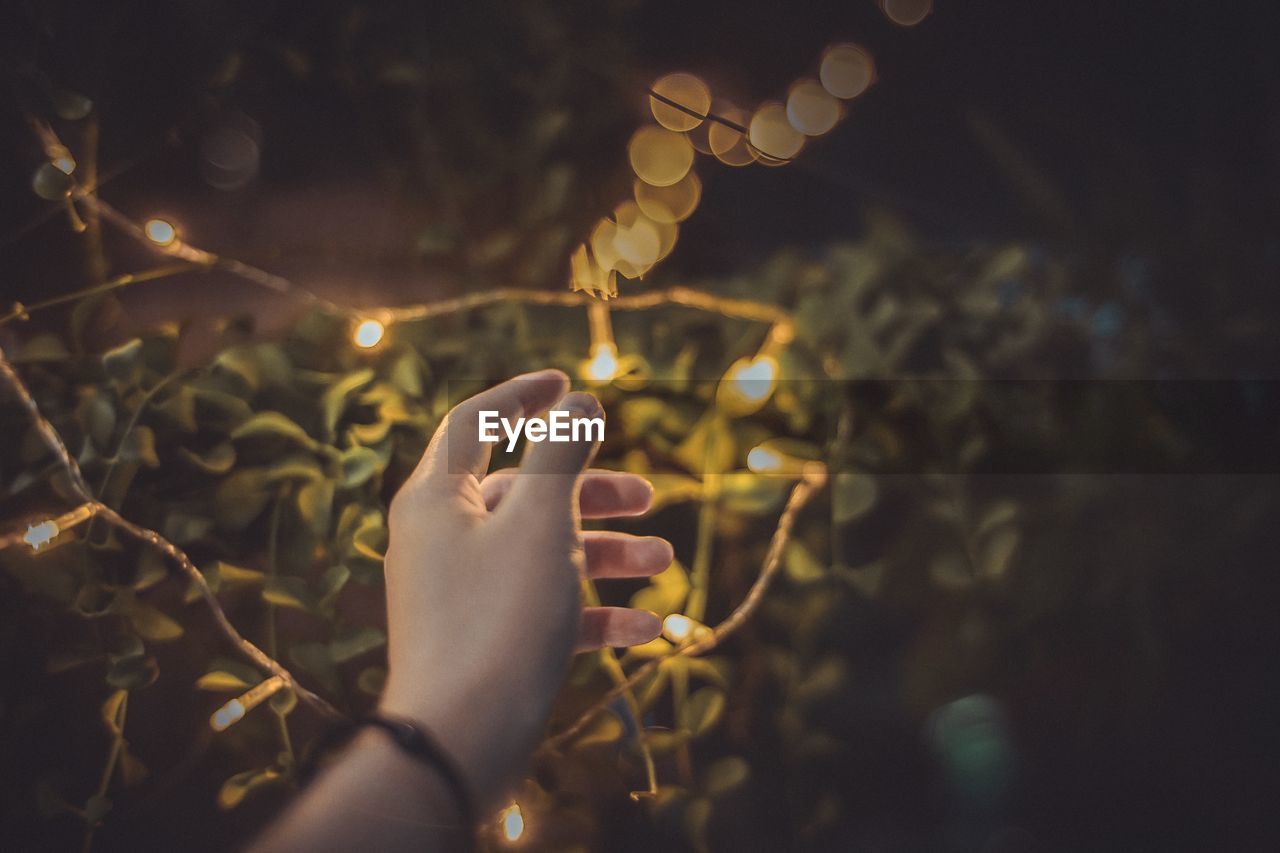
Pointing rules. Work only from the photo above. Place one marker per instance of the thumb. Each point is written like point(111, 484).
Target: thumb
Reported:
point(550, 470)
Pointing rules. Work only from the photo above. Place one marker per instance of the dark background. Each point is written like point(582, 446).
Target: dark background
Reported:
point(1140, 136)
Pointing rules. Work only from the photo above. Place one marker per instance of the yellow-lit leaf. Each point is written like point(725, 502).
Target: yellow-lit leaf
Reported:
point(241, 785)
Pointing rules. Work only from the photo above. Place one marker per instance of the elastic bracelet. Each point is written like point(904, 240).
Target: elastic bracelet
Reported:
point(413, 740)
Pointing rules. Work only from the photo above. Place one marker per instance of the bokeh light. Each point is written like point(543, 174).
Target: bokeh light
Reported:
point(659, 156)
point(811, 109)
point(846, 70)
point(771, 133)
point(753, 379)
point(160, 232)
point(906, 13)
point(686, 90)
point(728, 144)
point(603, 364)
point(368, 334)
point(636, 238)
point(669, 204)
point(511, 822)
point(762, 460)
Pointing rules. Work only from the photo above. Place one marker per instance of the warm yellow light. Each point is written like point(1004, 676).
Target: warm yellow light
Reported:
point(846, 70)
point(728, 144)
point(687, 91)
point(762, 460)
point(637, 240)
point(511, 820)
point(754, 379)
point(811, 109)
point(678, 628)
point(39, 535)
point(771, 133)
point(65, 164)
point(228, 715)
point(669, 204)
point(603, 364)
point(906, 13)
point(368, 334)
point(659, 156)
point(160, 232)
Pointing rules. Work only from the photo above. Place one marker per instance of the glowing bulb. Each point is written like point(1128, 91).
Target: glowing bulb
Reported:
point(603, 364)
point(846, 71)
point(811, 109)
point(160, 232)
point(669, 204)
point(228, 715)
point(511, 819)
point(754, 379)
point(659, 156)
point(762, 460)
point(39, 535)
point(771, 133)
point(65, 164)
point(369, 334)
point(679, 628)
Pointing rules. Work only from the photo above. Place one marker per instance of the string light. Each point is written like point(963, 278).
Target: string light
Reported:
point(679, 629)
point(234, 711)
point(160, 232)
point(771, 133)
point(771, 458)
point(602, 366)
point(846, 71)
point(368, 333)
point(41, 534)
point(811, 109)
point(762, 460)
point(683, 89)
point(511, 822)
point(659, 156)
point(65, 164)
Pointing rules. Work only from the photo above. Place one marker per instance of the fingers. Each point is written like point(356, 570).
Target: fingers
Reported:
point(456, 447)
point(550, 470)
point(619, 555)
point(604, 494)
point(616, 626)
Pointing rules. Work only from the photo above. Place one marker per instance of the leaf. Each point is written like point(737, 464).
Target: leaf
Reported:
point(351, 642)
point(724, 775)
point(96, 808)
point(332, 582)
point(241, 498)
point(111, 712)
point(316, 659)
point(132, 672)
point(406, 373)
point(183, 528)
point(123, 364)
point(709, 449)
point(358, 465)
point(751, 494)
point(218, 459)
point(285, 591)
point(50, 183)
point(151, 623)
point(605, 729)
point(180, 408)
point(702, 710)
point(132, 770)
point(42, 348)
point(666, 592)
point(222, 681)
point(800, 564)
point(853, 495)
point(997, 551)
point(241, 785)
point(273, 426)
point(334, 400)
point(315, 505)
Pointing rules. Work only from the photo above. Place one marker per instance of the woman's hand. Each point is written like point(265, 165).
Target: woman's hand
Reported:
point(484, 578)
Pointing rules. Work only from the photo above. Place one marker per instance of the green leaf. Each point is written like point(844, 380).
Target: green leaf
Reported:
point(222, 682)
point(183, 528)
point(218, 460)
point(315, 505)
point(800, 564)
point(274, 426)
point(132, 672)
point(96, 808)
point(42, 348)
point(151, 623)
point(123, 364)
point(241, 498)
point(285, 591)
point(111, 712)
point(180, 408)
point(702, 710)
point(605, 729)
point(752, 494)
point(997, 551)
point(853, 495)
point(334, 400)
point(358, 465)
point(316, 659)
point(350, 642)
point(725, 774)
point(332, 583)
point(241, 785)
point(666, 592)
point(406, 373)
point(51, 183)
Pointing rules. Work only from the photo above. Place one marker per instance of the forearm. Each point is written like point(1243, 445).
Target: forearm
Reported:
point(373, 797)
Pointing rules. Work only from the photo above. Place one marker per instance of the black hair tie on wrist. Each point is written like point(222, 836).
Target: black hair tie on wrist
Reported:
point(412, 740)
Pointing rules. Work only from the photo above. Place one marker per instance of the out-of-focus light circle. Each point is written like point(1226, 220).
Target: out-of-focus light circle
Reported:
point(771, 133)
point(368, 334)
point(728, 144)
point(511, 821)
point(602, 247)
point(603, 364)
point(637, 240)
point(811, 109)
point(231, 152)
point(687, 91)
point(762, 460)
point(906, 13)
point(669, 204)
point(677, 628)
point(159, 232)
point(659, 156)
point(846, 70)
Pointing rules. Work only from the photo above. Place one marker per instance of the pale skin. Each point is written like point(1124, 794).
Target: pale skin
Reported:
point(484, 613)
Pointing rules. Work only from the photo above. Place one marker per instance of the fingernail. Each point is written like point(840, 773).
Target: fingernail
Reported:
point(582, 404)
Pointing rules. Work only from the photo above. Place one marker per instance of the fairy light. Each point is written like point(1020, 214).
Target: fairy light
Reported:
point(160, 232)
point(368, 333)
point(762, 460)
point(511, 822)
point(65, 164)
point(40, 535)
point(234, 711)
point(602, 366)
point(680, 629)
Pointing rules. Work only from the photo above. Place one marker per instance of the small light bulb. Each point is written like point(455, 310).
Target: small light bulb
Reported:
point(511, 820)
point(39, 535)
point(369, 334)
point(754, 379)
point(160, 232)
point(228, 715)
point(762, 460)
point(65, 164)
point(603, 365)
point(677, 628)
